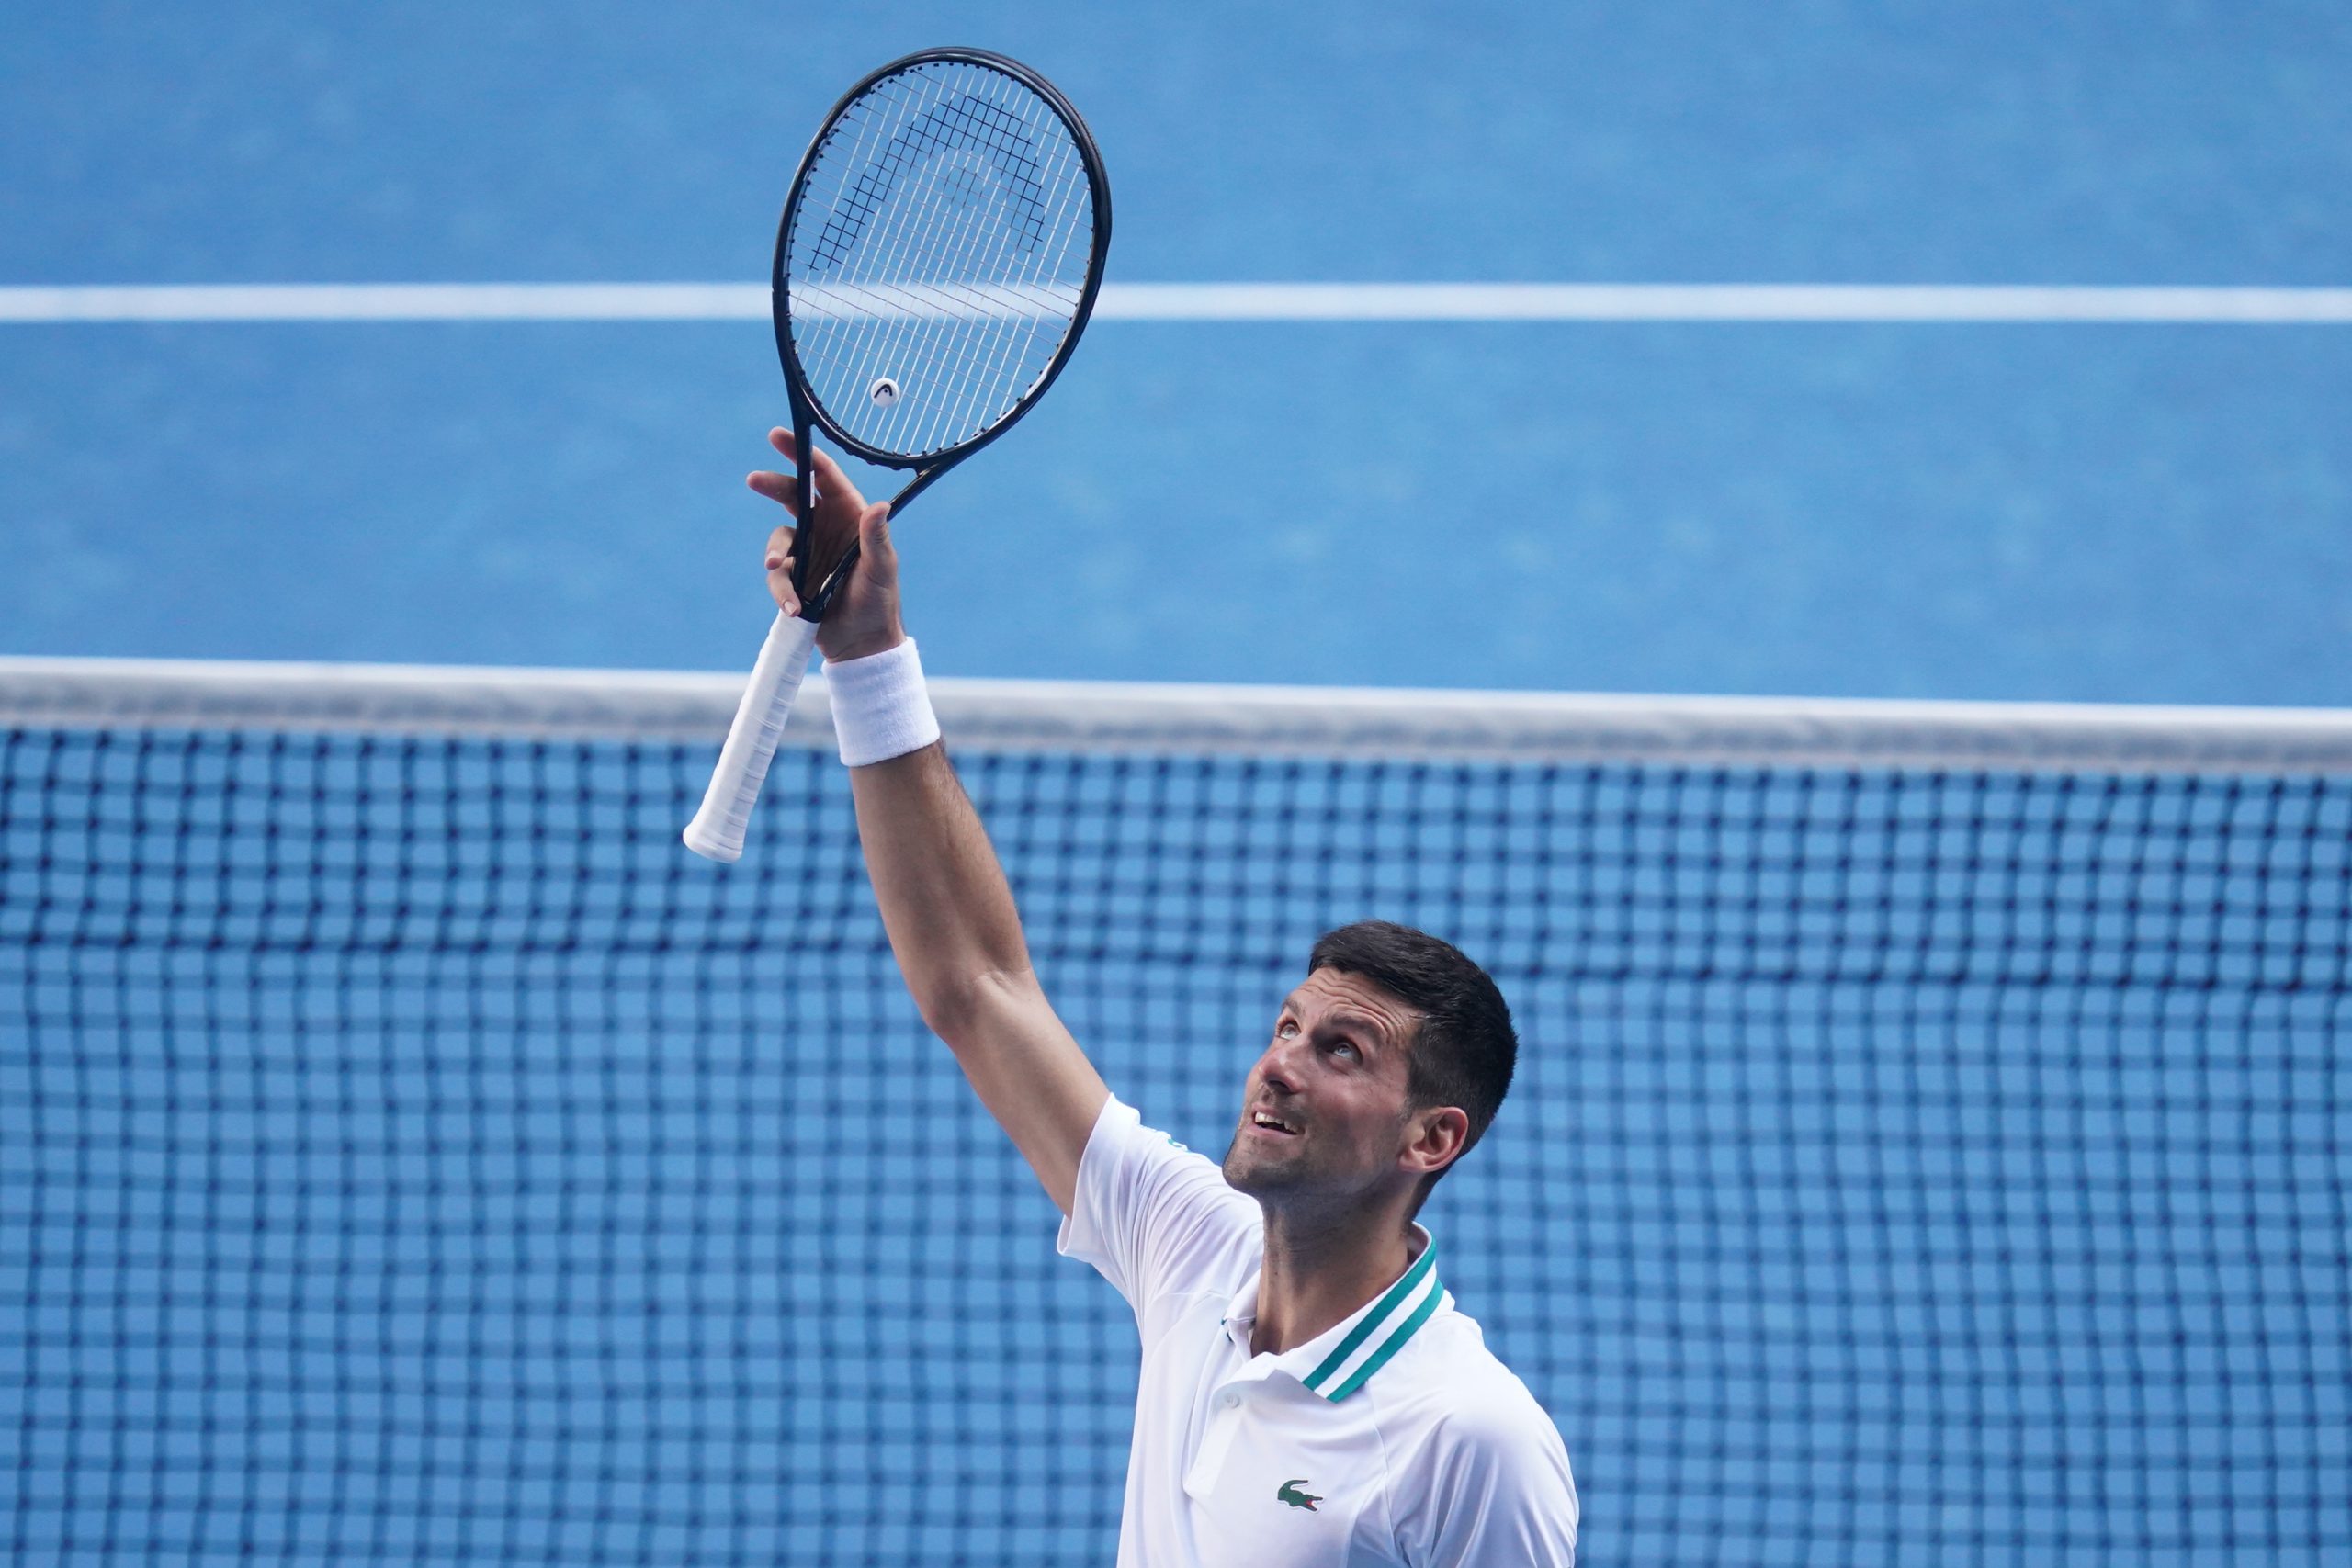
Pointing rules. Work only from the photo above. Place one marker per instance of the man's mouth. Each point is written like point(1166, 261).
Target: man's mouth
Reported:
point(1265, 1121)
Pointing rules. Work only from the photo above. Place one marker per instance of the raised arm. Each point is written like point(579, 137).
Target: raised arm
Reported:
point(944, 900)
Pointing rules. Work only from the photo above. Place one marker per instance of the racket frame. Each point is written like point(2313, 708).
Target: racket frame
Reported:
point(809, 415)
point(720, 826)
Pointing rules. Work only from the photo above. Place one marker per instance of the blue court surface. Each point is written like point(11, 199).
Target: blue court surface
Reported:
point(2133, 513)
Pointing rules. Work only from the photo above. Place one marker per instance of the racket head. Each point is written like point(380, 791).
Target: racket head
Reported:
point(939, 256)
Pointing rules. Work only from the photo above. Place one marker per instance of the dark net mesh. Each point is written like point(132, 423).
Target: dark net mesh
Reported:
point(407, 1153)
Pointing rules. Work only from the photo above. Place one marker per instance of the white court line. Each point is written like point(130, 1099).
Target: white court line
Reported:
point(1211, 302)
point(1721, 303)
point(389, 302)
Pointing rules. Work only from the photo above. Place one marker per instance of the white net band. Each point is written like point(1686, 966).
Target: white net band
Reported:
point(1107, 716)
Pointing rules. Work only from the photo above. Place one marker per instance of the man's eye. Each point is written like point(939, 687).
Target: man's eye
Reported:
point(1286, 1029)
point(1349, 1049)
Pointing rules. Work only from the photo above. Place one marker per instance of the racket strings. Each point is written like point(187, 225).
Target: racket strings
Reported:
point(965, 314)
point(932, 243)
point(938, 256)
point(998, 353)
point(966, 119)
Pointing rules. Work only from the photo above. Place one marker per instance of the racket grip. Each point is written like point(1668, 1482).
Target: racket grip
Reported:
point(719, 828)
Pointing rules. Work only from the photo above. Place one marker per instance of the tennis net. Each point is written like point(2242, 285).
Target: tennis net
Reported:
point(1933, 1141)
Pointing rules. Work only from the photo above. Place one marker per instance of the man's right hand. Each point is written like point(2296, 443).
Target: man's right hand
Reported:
point(863, 618)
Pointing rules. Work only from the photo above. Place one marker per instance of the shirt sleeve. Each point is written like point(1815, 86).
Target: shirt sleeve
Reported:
point(1151, 1216)
point(1499, 1491)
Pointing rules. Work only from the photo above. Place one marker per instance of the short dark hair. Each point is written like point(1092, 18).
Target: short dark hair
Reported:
point(1465, 1048)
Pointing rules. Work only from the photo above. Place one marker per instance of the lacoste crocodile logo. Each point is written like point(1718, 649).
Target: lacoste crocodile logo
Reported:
point(1289, 1493)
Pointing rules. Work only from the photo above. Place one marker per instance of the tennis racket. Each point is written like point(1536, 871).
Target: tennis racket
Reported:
point(939, 256)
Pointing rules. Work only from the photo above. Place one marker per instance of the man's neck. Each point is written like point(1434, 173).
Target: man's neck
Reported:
point(1318, 1272)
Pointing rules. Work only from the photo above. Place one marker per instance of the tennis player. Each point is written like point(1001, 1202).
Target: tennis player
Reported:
point(1309, 1395)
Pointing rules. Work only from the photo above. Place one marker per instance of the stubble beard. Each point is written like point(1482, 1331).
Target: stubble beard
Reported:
point(1260, 1177)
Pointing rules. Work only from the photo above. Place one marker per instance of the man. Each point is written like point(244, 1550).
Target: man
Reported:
point(1309, 1396)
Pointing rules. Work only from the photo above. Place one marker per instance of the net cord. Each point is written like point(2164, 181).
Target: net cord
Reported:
point(1170, 719)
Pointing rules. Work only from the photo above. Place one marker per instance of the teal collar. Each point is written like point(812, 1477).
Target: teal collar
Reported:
point(1343, 1358)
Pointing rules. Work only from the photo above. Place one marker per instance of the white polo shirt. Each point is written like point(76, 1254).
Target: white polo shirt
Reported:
point(1395, 1438)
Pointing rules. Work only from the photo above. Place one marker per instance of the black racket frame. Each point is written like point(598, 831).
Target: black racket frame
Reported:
point(807, 414)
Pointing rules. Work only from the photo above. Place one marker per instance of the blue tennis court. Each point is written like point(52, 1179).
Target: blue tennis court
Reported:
point(2151, 514)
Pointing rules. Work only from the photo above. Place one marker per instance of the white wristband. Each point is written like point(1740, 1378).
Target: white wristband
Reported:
point(881, 709)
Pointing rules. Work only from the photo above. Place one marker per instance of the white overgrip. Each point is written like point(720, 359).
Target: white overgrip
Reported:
point(719, 828)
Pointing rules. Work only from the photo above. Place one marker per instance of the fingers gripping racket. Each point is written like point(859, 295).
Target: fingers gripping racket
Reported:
point(939, 256)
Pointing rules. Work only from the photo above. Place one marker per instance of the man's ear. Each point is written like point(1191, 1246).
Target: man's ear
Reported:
point(1439, 1135)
